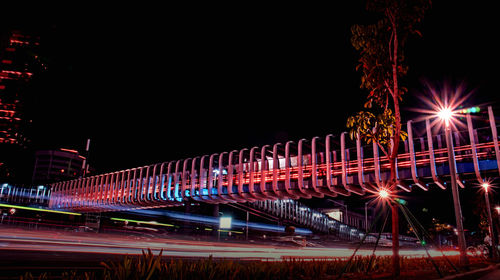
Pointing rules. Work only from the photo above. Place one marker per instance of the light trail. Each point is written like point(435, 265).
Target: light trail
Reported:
point(20, 240)
point(38, 209)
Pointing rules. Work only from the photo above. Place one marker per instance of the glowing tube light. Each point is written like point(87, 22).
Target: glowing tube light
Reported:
point(38, 209)
point(142, 222)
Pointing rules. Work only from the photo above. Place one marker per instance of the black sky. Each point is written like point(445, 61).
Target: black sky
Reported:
point(149, 83)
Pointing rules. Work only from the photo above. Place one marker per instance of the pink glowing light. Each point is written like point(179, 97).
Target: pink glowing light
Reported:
point(444, 106)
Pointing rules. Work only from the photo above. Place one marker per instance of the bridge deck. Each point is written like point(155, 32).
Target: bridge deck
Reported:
point(316, 168)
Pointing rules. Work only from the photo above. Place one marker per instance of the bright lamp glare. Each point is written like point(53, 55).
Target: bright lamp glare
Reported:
point(383, 194)
point(485, 186)
point(445, 114)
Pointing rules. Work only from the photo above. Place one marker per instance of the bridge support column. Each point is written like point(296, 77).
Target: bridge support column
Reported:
point(395, 239)
point(215, 213)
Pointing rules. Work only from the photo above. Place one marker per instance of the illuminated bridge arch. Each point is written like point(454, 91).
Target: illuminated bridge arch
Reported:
point(322, 166)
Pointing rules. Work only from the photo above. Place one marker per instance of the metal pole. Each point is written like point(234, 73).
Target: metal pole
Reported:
point(85, 168)
point(346, 217)
point(490, 222)
point(246, 231)
point(456, 199)
point(395, 239)
point(366, 216)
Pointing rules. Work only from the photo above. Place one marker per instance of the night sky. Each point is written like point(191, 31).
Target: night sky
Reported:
point(155, 83)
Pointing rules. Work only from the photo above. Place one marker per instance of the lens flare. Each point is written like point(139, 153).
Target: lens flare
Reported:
point(383, 193)
point(445, 106)
point(445, 114)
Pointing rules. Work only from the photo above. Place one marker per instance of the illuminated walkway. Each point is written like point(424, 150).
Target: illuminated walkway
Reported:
point(322, 166)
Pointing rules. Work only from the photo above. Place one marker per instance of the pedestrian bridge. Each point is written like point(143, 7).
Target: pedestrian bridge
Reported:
point(322, 166)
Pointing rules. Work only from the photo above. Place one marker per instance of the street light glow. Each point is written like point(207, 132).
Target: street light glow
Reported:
point(445, 114)
point(383, 193)
point(485, 186)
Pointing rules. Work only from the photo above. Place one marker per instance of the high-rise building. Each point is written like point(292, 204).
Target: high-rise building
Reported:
point(18, 61)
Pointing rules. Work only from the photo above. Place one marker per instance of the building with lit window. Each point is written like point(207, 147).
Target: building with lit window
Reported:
point(18, 61)
point(57, 165)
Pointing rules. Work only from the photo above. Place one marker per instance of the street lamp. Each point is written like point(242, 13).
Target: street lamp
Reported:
point(383, 193)
point(446, 115)
point(486, 187)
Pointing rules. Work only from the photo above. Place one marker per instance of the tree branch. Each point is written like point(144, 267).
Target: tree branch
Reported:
point(383, 149)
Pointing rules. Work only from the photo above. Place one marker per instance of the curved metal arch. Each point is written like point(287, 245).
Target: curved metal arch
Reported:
point(158, 186)
point(54, 199)
point(230, 180)
point(475, 160)
point(177, 197)
point(77, 193)
point(112, 187)
point(347, 185)
point(194, 174)
point(166, 188)
point(211, 195)
point(293, 194)
point(123, 188)
point(89, 192)
point(276, 170)
point(69, 189)
point(184, 186)
point(203, 182)
point(151, 186)
point(140, 192)
point(413, 161)
point(332, 182)
point(220, 181)
point(359, 158)
point(327, 189)
point(251, 184)
point(437, 179)
point(494, 134)
point(103, 203)
point(241, 174)
point(303, 192)
point(100, 193)
point(399, 182)
point(85, 191)
point(120, 187)
point(314, 171)
point(264, 170)
point(132, 173)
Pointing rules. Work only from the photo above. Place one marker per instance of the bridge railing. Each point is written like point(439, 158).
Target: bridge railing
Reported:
point(322, 166)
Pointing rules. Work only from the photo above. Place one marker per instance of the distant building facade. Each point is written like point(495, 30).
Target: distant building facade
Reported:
point(18, 61)
point(57, 165)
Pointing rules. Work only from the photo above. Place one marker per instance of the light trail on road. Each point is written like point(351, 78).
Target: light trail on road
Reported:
point(22, 240)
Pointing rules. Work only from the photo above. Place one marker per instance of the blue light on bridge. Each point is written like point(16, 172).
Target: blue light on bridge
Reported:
point(215, 221)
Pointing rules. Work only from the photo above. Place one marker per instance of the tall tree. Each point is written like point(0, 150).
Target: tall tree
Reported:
point(382, 65)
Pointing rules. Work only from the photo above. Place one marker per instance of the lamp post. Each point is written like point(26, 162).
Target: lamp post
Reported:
point(385, 195)
point(366, 216)
point(486, 186)
point(446, 114)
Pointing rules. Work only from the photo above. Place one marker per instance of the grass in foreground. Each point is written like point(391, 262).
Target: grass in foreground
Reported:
point(149, 266)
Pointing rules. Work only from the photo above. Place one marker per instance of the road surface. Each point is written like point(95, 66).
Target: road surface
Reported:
point(20, 240)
